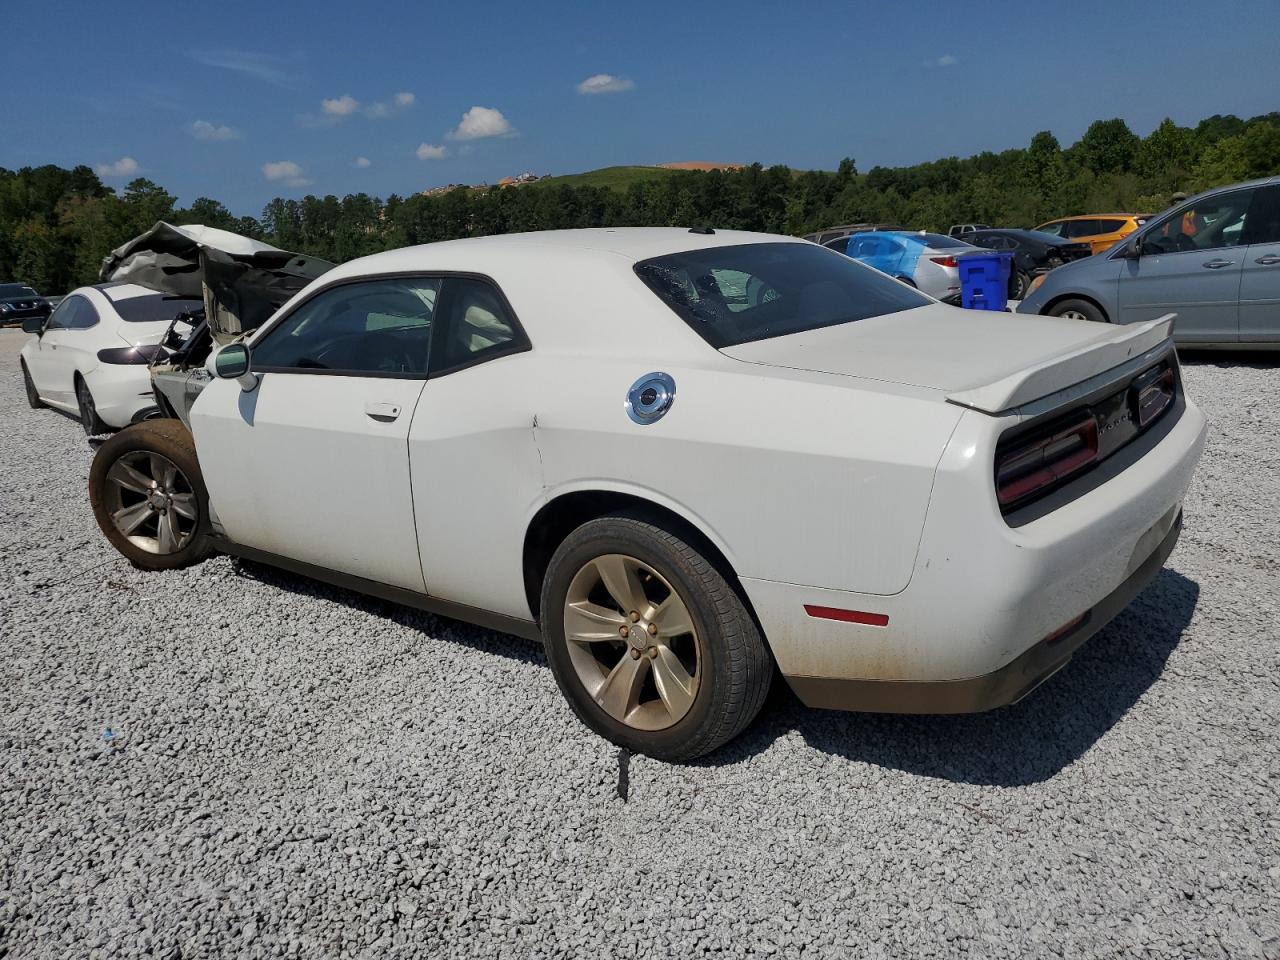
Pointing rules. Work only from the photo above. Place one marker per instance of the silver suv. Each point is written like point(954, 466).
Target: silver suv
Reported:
point(1213, 260)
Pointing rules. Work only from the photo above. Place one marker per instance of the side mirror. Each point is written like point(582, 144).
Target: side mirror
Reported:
point(232, 363)
point(1132, 249)
point(34, 325)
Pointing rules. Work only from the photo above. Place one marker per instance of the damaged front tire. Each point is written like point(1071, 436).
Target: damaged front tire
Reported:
point(149, 498)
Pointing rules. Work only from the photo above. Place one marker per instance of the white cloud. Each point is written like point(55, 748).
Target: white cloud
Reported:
point(362, 163)
point(405, 99)
point(429, 151)
point(480, 122)
point(342, 106)
point(948, 60)
point(381, 109)
point(204, 130)
point(124, 167)
point(285, 171)
point(605, 83)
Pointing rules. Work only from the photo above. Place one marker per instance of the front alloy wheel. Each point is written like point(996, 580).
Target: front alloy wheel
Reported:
point(148, 495)
point(151, 502)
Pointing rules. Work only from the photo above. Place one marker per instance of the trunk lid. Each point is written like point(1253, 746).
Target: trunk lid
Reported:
point(989, 361)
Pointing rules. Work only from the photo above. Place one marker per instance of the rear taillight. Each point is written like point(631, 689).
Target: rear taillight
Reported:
point(142, 353)
point(1153, 393)
point(945, 261)
point(1045, 460)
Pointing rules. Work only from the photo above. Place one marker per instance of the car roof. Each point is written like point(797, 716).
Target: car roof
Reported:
point(118, 291)
point(631, 244)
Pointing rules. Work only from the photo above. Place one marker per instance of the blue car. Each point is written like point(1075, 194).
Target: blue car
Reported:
point(927, 261)
point(1213, 260)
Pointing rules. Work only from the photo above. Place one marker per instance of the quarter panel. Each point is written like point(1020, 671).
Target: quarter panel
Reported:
point(801, 478)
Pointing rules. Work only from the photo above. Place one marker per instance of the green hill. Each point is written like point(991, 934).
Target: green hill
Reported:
point(612, 178)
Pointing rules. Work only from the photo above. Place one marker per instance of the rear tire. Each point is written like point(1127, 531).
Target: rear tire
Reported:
point(33, 395)
point(675, 666)
point(1019, 283)
point(89, 419)
point(149, 498)
point(1078, 310)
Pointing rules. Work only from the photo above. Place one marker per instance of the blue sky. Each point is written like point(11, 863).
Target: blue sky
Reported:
point(246, 101)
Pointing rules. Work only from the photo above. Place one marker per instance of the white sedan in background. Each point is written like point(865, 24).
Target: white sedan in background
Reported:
point(684, 460)
point(89, 357)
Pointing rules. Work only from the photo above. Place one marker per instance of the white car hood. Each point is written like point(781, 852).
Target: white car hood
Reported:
point(987, 360)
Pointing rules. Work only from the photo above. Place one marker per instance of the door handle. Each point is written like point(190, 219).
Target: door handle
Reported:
point(382, 412)
point(1268, 259)
point(1217, 264)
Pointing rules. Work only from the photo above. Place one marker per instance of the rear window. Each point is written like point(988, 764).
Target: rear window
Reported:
point(157, 308)
point(10, 290)
point(755, 291)
point(940, 241)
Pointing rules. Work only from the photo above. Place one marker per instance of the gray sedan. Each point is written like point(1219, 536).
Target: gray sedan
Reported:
point(1213, 260)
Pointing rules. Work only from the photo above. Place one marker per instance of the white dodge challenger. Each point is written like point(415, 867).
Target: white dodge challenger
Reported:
point(683, 459)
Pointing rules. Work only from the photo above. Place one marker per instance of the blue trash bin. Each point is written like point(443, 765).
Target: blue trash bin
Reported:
point(984, 280)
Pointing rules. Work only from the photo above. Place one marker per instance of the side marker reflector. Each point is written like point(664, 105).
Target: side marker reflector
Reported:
point(848, 616)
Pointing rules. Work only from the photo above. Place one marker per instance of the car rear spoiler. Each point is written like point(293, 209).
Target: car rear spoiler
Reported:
point(1040, 380)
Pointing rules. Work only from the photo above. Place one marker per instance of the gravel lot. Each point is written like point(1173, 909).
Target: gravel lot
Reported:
point(234, 761)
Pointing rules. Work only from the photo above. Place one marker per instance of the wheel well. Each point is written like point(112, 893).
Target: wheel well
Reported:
point(1076, 296)
point(566, 513)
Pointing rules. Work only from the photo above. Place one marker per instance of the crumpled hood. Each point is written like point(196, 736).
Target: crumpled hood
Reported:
point(242, 281)
point(985, 359)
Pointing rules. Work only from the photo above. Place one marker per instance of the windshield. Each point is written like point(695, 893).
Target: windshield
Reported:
point(157, 308)
point(11, 290)
point(737, 294)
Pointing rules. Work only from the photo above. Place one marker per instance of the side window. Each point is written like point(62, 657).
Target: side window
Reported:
point(60, 317)
point(1081, 228)
point(476, 325)
point(1208, 224)
point(1110, 226)
point(1262, 224)
point(376, 327)
point(839, 244)
point(84, 315)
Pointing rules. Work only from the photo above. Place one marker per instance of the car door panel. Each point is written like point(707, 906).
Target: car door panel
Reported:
point(302, 468)
point(313, 463)
point(1191, 265)
point(1260, 274)
point(1260, 294)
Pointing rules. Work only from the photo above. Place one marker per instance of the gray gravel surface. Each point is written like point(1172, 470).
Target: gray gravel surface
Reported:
point(234, 761)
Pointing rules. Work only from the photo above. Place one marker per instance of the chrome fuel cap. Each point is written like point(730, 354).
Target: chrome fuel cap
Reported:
point(650, 397)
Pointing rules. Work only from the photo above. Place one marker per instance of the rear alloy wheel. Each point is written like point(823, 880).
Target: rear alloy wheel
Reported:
point(1019, 283)
point(89, 419)
point(1078, 310)
point(33, 395)
point(649, 643)
point(149, 498)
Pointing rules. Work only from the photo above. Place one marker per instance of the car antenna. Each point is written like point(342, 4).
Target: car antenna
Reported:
point(701, 230)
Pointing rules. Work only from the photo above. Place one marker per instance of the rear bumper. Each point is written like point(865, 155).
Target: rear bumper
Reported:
point(1001, 687)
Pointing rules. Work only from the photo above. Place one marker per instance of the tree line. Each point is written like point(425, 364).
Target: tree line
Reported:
point(56, 225)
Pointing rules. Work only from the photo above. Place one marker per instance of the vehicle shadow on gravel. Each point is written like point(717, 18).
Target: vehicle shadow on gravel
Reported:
point(1259, 359)
point(1018, 745)
point(434, 629)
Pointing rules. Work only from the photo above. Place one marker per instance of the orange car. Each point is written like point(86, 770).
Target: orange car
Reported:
point(1100, 230)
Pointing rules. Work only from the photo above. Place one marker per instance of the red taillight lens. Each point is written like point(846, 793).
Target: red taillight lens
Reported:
point(945, 261)
point(1046, 460)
